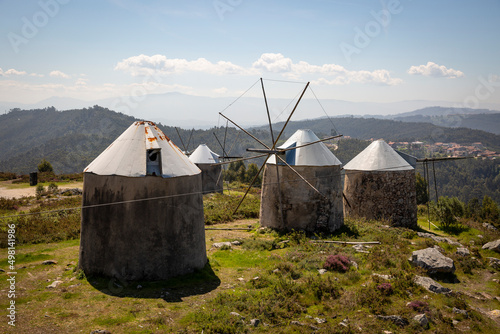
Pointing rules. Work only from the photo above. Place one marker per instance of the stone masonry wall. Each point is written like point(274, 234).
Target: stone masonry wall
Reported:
point(387, 195)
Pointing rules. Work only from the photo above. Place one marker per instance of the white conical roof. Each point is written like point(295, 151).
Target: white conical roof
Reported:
point(313, 155)
point(203, 155)
point(126, 156)
point(378, 156)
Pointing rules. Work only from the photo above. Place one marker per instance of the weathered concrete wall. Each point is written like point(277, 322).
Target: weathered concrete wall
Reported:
point(151, 239)
point(387, 195)
point(211, 178)
point(303, 208)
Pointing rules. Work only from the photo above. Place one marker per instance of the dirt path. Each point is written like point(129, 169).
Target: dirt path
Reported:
point(8, 192)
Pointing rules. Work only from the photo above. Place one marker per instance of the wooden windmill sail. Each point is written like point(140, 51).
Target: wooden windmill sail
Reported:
point(268, 151)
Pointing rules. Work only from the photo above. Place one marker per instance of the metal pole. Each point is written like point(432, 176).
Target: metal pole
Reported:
point(248, 133)
point(436, 190)
point(426, 166)
point(290, 116)
point(182, 142)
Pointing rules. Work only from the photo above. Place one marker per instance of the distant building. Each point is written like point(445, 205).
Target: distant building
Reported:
point(211, 176)
point(142, 216)
point(380, 184)
point(301, 206)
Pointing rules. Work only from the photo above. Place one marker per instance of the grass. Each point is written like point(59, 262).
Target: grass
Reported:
point(270, 276)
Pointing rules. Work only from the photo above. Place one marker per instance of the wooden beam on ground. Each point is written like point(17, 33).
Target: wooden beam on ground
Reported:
point(346, 242)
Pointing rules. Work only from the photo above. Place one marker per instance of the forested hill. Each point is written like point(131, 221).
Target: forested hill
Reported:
point(485, 122)
point(367, 128)
point(71, 139)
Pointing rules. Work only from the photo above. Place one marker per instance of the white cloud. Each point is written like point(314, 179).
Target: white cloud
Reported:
point(329, 74)
point(81, 82)
point(221, 90)
point(434, 70)
point(59, 74)
point(273, 62)
point(11, 72)
point(160, 65)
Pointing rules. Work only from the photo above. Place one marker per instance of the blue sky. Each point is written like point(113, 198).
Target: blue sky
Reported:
point(361, 51)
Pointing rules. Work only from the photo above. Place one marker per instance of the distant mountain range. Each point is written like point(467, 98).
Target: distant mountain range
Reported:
point(188, 111)
point(479, 119)
point(71, 139)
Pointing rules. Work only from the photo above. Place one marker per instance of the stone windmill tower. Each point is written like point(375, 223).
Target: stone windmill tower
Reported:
point(303, 207)
point(380, 184)
point(142, 216)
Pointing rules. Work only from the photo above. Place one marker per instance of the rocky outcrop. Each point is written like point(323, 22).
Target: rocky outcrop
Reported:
point(439, 239)
point(431, 285)
point(493, 245)
point(433, 261)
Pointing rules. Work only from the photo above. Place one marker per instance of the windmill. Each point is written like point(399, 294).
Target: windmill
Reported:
point(279, 154)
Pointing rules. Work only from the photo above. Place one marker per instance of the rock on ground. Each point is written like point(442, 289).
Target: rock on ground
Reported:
point(54, 285)
point(396, 319)
point(462, 312)
point(433, 261)
point(494, 262)
point(463, 251)
point(431, 285)
point(439, 239)
point(222, 244)
point(493, 245)
point(422, 320)
point(490, 227)
point(255, 322)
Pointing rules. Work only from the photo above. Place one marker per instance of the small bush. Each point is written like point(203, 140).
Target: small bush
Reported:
point(4, 176)
point(258, 244)
point(337, 262)
point(45, 167)
point(52, 188)
point(80, 275)
point(289, 269)
point(468, 263)
point(8, 204)
point(409, 234)
point(418, 306)
point(40, 190)
point(323, 288)
point(385, 288)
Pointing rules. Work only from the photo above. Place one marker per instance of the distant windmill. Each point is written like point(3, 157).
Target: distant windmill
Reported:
point(279, 153)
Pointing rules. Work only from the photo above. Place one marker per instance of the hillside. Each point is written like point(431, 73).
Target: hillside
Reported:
point(485, 122)
point(443, 111)
point(71, 139)
point(390, 130)
point(264, 282)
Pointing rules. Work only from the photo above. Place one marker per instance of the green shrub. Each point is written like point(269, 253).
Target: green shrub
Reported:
point(45, 167)
point(52, 188)
point(40, 191)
